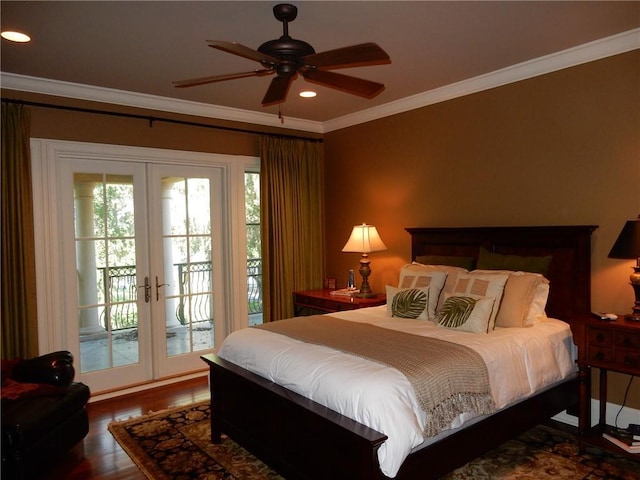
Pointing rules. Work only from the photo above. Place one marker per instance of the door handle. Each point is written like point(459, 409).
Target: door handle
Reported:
point(147, 290)
point(158, 285)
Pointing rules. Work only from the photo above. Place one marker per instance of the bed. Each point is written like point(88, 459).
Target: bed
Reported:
point(303, 439)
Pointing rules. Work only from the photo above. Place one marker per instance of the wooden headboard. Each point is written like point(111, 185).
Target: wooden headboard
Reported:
point(570, 247)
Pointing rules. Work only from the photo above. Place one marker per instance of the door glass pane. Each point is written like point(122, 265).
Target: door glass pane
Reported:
point(254, 251)
point(106, 269)
point(186, 226)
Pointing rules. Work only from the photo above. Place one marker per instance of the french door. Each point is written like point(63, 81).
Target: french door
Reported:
point(147, 265)
point(187, 265)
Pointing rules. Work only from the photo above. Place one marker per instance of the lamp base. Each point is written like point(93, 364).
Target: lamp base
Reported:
point(365, 271)
point(366, 295)
point(632, 317)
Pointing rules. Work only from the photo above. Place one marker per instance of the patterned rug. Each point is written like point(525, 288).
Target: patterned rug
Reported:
point(175, 445)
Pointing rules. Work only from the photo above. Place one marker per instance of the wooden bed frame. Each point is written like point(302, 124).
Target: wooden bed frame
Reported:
point(305, 440)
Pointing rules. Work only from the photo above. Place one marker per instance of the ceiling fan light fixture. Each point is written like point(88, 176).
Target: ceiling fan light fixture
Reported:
point(307, 94)
point(15, 36)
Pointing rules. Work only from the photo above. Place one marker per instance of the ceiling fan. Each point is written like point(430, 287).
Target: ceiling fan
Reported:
point(288, 57)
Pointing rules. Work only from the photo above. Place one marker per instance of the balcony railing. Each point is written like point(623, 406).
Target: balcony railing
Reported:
point(254, 285)
point(194, 284)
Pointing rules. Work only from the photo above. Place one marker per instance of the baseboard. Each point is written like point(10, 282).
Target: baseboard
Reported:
point(626, 416)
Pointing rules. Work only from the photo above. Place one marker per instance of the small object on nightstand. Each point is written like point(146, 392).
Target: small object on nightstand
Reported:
point(351, 281)
point(344, 292)
point(605, 316)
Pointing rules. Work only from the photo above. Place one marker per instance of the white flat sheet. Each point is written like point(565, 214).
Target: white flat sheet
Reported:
point(520, 361)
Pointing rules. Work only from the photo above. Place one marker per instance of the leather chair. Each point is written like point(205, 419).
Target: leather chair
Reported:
point(43, 413)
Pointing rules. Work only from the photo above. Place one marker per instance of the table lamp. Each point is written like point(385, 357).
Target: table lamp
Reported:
point(364, 239)
point(627, 246)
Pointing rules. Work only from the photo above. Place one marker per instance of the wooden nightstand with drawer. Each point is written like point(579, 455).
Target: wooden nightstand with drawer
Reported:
point(608, 346)
point(311, 302)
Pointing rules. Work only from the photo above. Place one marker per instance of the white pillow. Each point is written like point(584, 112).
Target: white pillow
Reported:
point(538, 310)
point(417, 276)
point(483, 285)
point(524, 300)
point(468, 313)
point(408, 302)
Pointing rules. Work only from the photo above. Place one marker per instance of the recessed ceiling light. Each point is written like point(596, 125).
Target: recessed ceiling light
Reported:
point(18, 37)
point(308, 94)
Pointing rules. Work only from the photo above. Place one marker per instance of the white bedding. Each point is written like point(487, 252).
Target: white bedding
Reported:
point(520, 361)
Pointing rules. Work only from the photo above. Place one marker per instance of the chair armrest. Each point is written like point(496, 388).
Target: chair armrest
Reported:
point(53, 368)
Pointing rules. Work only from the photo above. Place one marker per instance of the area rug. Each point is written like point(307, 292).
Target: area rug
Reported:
point(175, 444)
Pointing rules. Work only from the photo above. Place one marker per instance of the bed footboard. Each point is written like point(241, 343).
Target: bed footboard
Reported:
point(304, 440)
point(299, 438)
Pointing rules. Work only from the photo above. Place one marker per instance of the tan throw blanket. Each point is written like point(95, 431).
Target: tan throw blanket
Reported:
point(448, 378)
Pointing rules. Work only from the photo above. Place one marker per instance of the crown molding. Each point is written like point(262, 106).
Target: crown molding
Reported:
point(587, 52)
point(79, 91)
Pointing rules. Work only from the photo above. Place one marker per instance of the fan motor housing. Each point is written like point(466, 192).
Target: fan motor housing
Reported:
point(286, 48)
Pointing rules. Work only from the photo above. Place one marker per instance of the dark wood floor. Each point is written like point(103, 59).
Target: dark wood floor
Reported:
point(99, 456)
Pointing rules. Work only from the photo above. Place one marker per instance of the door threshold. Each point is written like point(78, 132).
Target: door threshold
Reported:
point(106, 395)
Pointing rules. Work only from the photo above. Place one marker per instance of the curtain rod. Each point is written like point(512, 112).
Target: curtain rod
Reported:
point(152, 119)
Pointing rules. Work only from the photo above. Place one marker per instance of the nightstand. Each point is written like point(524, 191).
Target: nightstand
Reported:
point(609, 346)
point(312, 302)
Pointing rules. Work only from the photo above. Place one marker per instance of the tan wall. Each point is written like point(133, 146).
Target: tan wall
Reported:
point(559, 149)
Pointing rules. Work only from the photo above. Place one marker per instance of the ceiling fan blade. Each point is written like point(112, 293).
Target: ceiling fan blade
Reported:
point(277, 92)
point(220, 78)
point(355, 56)
point(345, 83)
point(242, 51)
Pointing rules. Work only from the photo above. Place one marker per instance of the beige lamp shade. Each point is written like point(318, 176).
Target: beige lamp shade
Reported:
point(364, 239)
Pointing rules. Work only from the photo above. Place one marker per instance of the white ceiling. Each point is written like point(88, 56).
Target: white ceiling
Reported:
point(143, 46)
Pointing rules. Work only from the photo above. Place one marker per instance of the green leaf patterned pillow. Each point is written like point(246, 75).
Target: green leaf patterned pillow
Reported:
point(418, 276)
point(408, 302)
point(466, 313)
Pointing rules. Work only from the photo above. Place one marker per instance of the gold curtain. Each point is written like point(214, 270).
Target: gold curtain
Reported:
point(291, 204)
point(18, 306)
